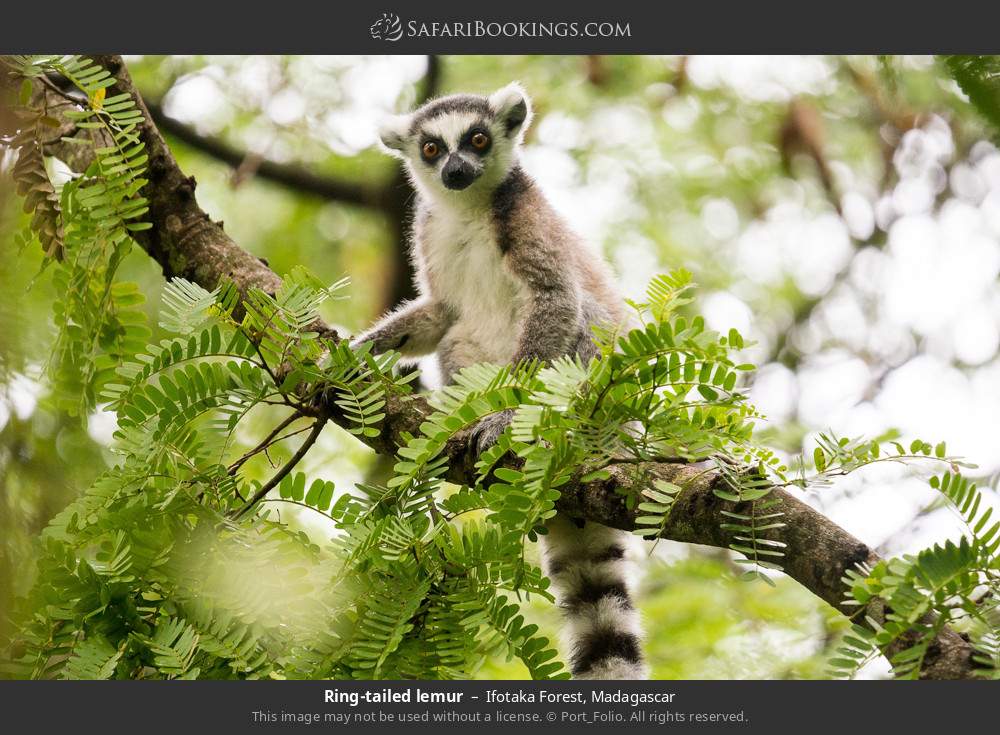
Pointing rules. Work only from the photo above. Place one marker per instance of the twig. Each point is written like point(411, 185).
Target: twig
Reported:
point(286, 468)
point(298, 502)
point(266, 442)
point(77, 101)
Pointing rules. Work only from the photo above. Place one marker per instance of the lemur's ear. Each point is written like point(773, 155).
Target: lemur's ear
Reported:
point(512, 105)
point(394, 132)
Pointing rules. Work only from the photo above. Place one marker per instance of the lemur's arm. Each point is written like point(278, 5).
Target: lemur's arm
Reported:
point(414, 328)
point(552, 325)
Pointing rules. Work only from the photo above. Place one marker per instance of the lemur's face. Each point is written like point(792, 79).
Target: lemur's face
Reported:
point(462, 142)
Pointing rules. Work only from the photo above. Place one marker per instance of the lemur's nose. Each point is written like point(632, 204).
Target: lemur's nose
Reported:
point(457, 173)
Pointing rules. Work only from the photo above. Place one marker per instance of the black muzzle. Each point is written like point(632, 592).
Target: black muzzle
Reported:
point(457, 173)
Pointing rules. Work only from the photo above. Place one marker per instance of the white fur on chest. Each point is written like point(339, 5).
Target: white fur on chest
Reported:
point(464, 268)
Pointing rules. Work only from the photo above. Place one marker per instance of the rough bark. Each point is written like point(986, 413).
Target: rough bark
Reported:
point(185, 242)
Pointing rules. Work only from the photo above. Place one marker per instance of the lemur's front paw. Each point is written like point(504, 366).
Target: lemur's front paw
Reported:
point(380, 342)
point(489, 429)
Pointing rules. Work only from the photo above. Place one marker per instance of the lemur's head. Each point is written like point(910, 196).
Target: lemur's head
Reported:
point(460, 143)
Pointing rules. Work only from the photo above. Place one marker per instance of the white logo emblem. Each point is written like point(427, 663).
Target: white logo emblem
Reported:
point(387, 28)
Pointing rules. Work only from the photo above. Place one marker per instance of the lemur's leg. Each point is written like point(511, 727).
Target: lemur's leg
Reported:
point(454, 353)
point(414, 328)
point(593, 579)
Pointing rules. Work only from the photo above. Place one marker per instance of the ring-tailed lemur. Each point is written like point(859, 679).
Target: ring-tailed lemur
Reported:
point(502, 278)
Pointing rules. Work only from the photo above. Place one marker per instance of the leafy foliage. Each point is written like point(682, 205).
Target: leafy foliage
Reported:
point(32, 179)
point(953, 584)
point(979, 78)
point(163, 568)
point(156, 571)
point(86, 232)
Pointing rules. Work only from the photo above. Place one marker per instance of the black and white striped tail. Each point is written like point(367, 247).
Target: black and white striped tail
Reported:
point(591, 573)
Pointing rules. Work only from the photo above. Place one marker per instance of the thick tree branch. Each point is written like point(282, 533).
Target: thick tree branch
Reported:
point(185, 242)
point(183, 239)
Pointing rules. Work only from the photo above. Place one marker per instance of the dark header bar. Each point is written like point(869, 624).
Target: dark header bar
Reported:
point(511, 27)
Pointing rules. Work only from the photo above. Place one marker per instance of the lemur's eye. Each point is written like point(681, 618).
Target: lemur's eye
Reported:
point(480, 140)
point(430, 150)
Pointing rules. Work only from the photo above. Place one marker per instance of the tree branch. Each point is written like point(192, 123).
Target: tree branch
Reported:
point(296, 177)
point(390, 197)
point(818, 552)
point(184, 240)
point(379, 195)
